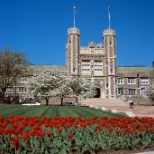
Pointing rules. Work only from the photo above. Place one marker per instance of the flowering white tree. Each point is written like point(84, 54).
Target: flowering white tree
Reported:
point(63, 90)
point(55, 84)
point(150, 90)
point(82, 88)
point(48, 84)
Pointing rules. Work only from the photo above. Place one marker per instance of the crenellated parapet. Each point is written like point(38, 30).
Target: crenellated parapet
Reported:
point(109, 32)
point(73, 30)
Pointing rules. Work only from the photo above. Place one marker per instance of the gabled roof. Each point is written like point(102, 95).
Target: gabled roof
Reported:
point(123, 71)
point(47, 67)
point(133, 69)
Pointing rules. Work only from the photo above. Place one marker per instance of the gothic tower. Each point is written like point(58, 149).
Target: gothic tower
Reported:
point(72, 51)
point(110, 62)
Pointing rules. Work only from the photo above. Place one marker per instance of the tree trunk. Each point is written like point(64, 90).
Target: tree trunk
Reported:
point(79, 101)
point(2, 93)
point(47, 101)
point(15, 100)
point(76, 100)
point(61, 101)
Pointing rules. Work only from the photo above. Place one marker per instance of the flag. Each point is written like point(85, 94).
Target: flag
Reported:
point(75, 9)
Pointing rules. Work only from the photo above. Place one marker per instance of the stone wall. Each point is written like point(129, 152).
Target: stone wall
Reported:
point(138, 99)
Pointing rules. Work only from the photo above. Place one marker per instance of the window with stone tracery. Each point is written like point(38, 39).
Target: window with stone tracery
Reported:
point(86, 67)
point(98, 67)
point(145, 80)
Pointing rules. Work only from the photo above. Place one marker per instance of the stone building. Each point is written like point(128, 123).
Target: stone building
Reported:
point(97, 62)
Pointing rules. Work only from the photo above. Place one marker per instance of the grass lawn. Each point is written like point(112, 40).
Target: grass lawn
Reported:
point(51, 111)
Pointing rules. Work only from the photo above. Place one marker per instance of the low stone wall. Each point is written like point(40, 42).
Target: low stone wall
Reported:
point(139, 100)
point(143, 101)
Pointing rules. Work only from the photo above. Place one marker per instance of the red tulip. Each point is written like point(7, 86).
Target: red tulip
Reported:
point(123, 133)
point(68, 125)
point(83, 125)
point(25, 135)
point(36, 127)
point(107, 126)
point(16, 132)
point(70, 136)
point(5, 132)
point(94, 117)
point(32, 133)
point(49, 134)
point(150, 129)
point(1, 118)
point(11, 116)
point(141, 128)
point(99, 128)
point(21, 127)
point(41, 133)
point(57, 125)
point(102, 122)
point(129, 130)
point(15, 140)
point(146, 125)
point(118, 131)
point(59, 130)
point(76, 126)
point(110, 130)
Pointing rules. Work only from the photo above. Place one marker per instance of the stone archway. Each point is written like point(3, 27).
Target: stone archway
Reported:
point(98, 93)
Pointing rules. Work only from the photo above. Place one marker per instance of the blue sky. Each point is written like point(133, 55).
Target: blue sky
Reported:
point(39, 28)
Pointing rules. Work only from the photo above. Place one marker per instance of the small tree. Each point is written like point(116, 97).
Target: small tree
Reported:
point(48, 84)
point(63, 89)
point(82, 88)
point(150, 92)
point(12, 65)
point(150, 89)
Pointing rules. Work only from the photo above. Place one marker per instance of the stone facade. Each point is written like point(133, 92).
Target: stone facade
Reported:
point(133, 80)
point(97, 62)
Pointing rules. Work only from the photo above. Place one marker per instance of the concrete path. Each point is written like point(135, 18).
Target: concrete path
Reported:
point(150, 152)
point(140, 111)
point(119, 106)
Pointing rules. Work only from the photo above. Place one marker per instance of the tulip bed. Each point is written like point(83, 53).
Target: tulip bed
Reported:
point(67, 134)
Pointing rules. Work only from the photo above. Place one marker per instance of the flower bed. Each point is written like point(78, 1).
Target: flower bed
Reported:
point(65, 135)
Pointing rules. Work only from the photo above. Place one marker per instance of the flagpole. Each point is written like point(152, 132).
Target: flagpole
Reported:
point(74, 17)
point(109, 16)
point(74, 14)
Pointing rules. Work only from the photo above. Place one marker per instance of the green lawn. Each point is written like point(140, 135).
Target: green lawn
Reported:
point(51, 111)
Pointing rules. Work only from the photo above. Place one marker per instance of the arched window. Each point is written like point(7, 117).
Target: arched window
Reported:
point(142, 91)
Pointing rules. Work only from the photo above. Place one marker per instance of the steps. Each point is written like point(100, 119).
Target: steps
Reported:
point(105, 102)
point(117, 105)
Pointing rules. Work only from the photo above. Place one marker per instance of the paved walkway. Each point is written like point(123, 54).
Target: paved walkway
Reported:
point(140, 111)
point(150, 152)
